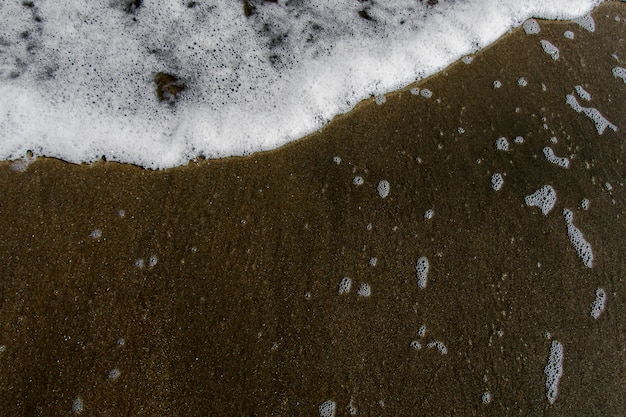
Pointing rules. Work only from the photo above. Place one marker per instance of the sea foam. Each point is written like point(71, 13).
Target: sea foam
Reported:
point(82, 80)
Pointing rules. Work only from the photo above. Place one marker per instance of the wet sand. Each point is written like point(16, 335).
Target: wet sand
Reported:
point(212, 289)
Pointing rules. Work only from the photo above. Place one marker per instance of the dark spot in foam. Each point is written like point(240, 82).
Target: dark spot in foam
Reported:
point(28, 4)
point(365, 15)
point(192, 4)
point(168, 87)
point(131, 6)
point(248, 8)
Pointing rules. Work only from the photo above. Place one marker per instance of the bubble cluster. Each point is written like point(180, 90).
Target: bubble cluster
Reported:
point(583, 248)
point(421, 269)
point(531, 27)
point(383, 188)
point(544, 198)
point(345, 285)
point(497, 181)
point(550, 49)
point(554, 371)
point(327, 409)
point(597, 307)
point(551, 157)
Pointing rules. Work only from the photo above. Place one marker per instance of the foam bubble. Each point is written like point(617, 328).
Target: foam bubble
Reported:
point(380, 99)
point(421, 332)
point(426, 93)
point(597, 307)
point(421, 268)
point(467, 59)
point(582, 93)
point(584, 204)
point(497, 84)
point(544, 198)
point(440, 346)
point(345, 285)
point(337, 160)
point(327, 409)
point(415, 91)
point(357, 180)
point(594, 114)
point(114, 373)
point(139, 263)
point(583, 248)
point(502, 144)
point(551, 157)
point(428, 214)
point(364, 290)
point(568, 34)
point(95, 234)
point(416, 345)
point(531, 27)
point(519, 140)
point(586, 22)
point(550, 49)
point(383, 188)
point(497, 181)
point(373, 261)
point(522, 82)
point(77, 405)
point(152, 260)
point(620, 72)
point(486, 397)
point(553, 371)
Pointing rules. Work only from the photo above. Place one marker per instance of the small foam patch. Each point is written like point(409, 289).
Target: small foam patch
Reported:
point(327, 409)
point(497, 181)
point(544, 198)
point(594, 114)
point(531, 27)
point(383, 188)
point(554, 371)
point(502, 144)
point(597, 307)
point(620, 73)
point(583, 248)
point(551, 157)
point(421, 268)
point(345, 285)
point(364, 290)
point(550, 49)
point(586, 22)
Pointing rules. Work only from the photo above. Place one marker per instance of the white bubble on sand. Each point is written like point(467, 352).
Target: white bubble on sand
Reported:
point(553, 371)
point(553, 139)
point(114, 373)
point(597, 307)
point(345, 285)
point(380, 99)
point(351, 408)
point(428, 214)
point(364, 290)
point(620, 72)
point(139, 263)
point(3, 348)
point(497, 84)
point(582, 93)
point(416, 345)
point(327, 409)
point(426, 93)
point(467, 59)
point(440, 346)
point(415, 91)
point(121, 341)
point(550, 49)
point(519, 140)
point(522, 82)
point(563, 162)
point(502, 144)
point(531, 27)
point(337, 160)
point(586, 22)
point(373, 261)
point(608, 186)
point(383, 188)
point(568, 34)
point(497, 181)
point(357, 180)
point(95, 234)
point(421, 332)
point(152, 260)
point(583, 248)
point(544, 198)
point(584, 204)
point(121, 213)
point(77, 405)
point(421, 269)
point(486, 397)
point(594, 114)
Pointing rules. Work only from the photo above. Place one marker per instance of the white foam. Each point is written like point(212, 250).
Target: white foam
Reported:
point(497, 181)
point(519, 140)
point(554, 371)
point(597, 307)
point(440, 346)
point(522, 82)
point(373, 261)
point(421, 268)
point(544, 198)
point(563, 162)
point(584, 204)
point(416, 345)
point(620, 72)
point(152, 260)
point(81, 85)
point(594, 114)
point(345, 285)
point(582, 93)
point(357, 180)
point(586, 22)
point(421, 332)
point(531, 27)
point(497, 84)
point(502, 144)
point(486, 397)
point(428, 214)
point(327, 409)
point(95, 234)
point(77, 405)
point(364, 290)
point(383, 188)
point(583, 248)
point(550, 49)
point(426, 93)
point(114, 373)
point(336, 160)
point(568, 34)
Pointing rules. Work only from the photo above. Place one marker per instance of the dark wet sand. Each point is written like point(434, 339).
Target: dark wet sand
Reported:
point(241, 315)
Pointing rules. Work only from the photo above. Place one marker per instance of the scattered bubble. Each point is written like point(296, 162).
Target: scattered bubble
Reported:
point(383, 188)
point(497, 181)
point(586, 22)
point(582, 93)
point(467, 59)
point(600, 122)
point(497, 84)
point(345, 285)
point(357, 181)
point(139, 263)
point(337, 160)
point(380, 99)
point(551, 157)
point(415, 91)
point(550, 49)
point(583, 248)
point(620, 73)
point(522, 82)
point(3, 348)
point(440, 346)
point(544, 198)
point(421, 268)
point(327, 409)
point(95, 234)
point(416, 345)
point(121, 213)
point(502, 144)
point(114, 373)
point(486, 398)
point(121, 341)
point(373, 261)
point(152, 261)
point(519, 140)
point(428, 214)
point(584, 204)
point(426, 93)
point(597, 307)
point(608, 186)
point(568, 34)
point(421, 332)
point(364, 290)
point(554, 370)
point(77, 405)
point(531, 27)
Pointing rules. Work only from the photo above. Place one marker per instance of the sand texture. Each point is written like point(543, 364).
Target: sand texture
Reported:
point(214, 289)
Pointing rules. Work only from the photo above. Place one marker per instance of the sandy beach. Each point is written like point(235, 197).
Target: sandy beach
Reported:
point(215, 289)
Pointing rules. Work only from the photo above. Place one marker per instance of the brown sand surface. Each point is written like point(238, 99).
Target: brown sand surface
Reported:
point(235, 310)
